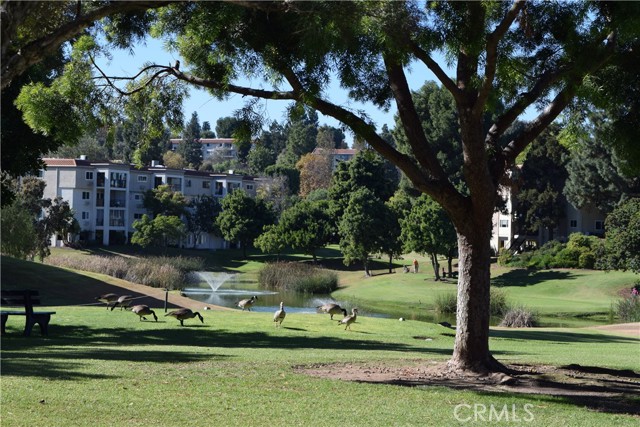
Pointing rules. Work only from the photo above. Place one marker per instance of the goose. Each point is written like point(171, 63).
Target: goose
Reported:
point(107, 299)
point(332, 309)
point(184, 313)
point(122, 302)
point(279, 315)
point(349, 319)
point(247, 303)
point(144, 310)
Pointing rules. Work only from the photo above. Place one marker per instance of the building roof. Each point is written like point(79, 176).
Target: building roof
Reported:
point(191, 172)
point(66, 162)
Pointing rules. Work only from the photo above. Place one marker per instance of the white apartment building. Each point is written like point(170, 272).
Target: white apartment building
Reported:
point(588, 221)
point(219, 148)
point(337, 155)
point(108, 197)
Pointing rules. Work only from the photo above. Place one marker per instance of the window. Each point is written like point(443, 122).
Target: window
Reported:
point(599, 225)
point(187, 183)
point(137, 216)
point(219, 188)
point(85, 215)
point(86, 195)
point(249, 186)
point(233, 186)
point(504, 223)
point(206, 184)
point(573, 223)
point(137, 196)
point(142, 178)
point(88, 176)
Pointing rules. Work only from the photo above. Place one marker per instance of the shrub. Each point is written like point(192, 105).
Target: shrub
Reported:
point(566, 258)
point(587, 260)
point(519, 317)
point(297, 277)
point(628, 309)
point(446, 303)
point(505, 257)
point(158, 272)
point(498, 305)
point(580, 252)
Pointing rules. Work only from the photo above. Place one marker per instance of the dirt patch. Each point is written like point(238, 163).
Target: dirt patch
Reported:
point(605, 390)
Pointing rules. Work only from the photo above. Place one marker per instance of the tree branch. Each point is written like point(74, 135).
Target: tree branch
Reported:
point(15, 64)
point(411, 120)
point(492, 56)
point(553, 110)
point(432, 65)
point(365, 130)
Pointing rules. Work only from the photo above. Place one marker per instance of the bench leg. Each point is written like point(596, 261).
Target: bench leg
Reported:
point(40, 319)
point(4, 317)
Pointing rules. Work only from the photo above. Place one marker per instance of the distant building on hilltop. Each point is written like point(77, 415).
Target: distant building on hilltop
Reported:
point(220, 148)
point(337, 154)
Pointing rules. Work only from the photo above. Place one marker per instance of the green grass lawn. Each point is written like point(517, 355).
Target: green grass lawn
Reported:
point(102, 368)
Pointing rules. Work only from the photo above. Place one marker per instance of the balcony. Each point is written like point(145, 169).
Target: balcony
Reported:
point(117, 203)
point(99, 222)
point(116, 222)
point(118, 183)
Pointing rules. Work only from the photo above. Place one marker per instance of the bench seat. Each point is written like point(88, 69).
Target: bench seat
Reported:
point(26, 299)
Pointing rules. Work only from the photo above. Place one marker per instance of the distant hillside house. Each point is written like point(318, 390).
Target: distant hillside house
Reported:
point(337, 154)
point(218, 148)
point(108, 197)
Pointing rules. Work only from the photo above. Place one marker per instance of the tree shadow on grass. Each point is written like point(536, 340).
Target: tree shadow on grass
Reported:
point(559, 337)
point(63, 355)
point(527, 277)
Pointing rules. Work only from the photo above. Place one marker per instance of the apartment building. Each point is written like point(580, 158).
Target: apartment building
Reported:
point(217, 148)
point(108, 197)
point(506, 234)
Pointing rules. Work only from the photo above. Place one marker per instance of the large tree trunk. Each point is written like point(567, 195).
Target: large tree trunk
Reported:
point(471, 349)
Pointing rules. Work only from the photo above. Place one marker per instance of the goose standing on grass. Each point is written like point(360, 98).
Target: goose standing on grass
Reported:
point(144, 310)
point(122, 302)
point(108, 299)
point(247, 303)
point(347, 321)
point(332, 309)
point(279, 315)
point(184, 313)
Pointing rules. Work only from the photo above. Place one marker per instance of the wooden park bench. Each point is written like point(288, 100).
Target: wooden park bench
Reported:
point(25, 299)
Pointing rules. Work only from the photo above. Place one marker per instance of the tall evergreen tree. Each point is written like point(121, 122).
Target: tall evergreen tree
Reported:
point(596, 175)
point(190, 147)
point(540, 204)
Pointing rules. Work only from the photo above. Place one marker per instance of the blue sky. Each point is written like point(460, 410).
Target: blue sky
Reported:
point(210, 109)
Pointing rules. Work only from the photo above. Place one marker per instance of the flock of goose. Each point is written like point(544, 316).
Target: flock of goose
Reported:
point(124, 302)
